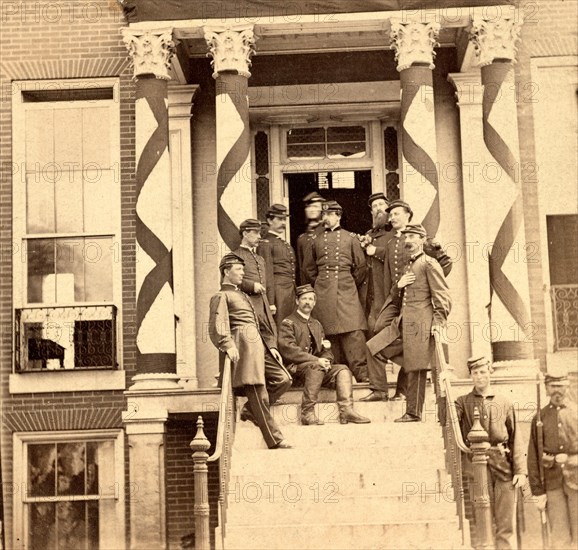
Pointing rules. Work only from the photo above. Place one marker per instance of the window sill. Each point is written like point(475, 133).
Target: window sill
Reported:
point(70, 381)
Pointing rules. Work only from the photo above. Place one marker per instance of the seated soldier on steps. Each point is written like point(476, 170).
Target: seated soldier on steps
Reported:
point(303, 347)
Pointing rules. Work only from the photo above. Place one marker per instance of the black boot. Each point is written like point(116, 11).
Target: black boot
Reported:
point(344, 390)
point(313, 381)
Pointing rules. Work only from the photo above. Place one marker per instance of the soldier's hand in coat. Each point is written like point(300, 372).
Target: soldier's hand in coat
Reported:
point(233, 354)
point(541, 501)
point(324, 362)
point(259, 288)
point(519, 480)
point(406, 279)
point(273, 309)
point(275, 353)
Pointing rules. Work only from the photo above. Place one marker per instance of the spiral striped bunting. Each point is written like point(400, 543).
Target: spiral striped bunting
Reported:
point(155, 337)
point(507, 267)
point(234, 187)
point(419, 145)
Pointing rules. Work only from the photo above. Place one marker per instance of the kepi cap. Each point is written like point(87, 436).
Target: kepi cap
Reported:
point(376, 196)
point(230, 259)
point(417, 228)
point(477, 362)
point(303, 289)
point(332, 206)
point(312, 197)
point(556, 377)
point(277, 210)
point(250, 224)
point(398, 203)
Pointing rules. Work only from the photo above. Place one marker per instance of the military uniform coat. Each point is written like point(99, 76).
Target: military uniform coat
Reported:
point(233, 323)
point(337, 267)
point(425, 302)
point(256, 272)
point(303, 249)
point(374, 290)
point(280, 266)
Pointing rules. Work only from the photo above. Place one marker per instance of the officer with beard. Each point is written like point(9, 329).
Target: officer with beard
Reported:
point(374, 292)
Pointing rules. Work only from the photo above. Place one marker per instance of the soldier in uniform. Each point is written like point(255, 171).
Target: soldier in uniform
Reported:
point(506, 457)
point(308, 356)
point(424, 308)
point(313, 207)
point(279, 262)
point(553, 462)
point(396, 257)
point(374, 291)
point(234, 330)
point(337, 268)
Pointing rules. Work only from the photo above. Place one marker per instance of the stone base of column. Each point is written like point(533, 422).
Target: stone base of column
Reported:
point(155, 381)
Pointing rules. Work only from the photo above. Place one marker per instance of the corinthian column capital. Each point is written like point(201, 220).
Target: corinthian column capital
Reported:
point(495, 38)
point(414, 42)
point(150, 51)
point(231, 47)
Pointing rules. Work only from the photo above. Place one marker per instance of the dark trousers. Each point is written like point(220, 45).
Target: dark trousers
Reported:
point(350, 348)
point(376, 370)
point(258, 405)
point(416, 381)
point(277, 378)
point(401, 386)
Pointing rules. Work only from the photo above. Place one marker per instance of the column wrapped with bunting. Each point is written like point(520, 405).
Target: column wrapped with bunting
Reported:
point(511, 330)
point(414, 44)
point(231, 48)
point(151, 53)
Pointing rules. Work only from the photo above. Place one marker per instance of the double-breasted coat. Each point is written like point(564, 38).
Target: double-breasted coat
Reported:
point(280, 266)
point(423, 303)
point(336, 267)
point(233, 323)
point(303, 250)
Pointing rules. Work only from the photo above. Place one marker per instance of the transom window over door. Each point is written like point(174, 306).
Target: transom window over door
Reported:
point(331, 142)
point(67, 221)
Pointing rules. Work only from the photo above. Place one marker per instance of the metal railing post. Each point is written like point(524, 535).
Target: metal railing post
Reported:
point(480, 444)
point(200, 445)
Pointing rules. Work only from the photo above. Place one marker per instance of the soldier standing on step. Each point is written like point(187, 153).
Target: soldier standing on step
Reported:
point(313, 207)
point(419, 308)
point(308, 355)
point(234, 329)
point(553, 462)
point(506, 457)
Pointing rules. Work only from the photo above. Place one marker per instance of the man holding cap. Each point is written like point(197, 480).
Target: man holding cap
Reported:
point(553, 462)
point(419, 307)
point(506, 456)
point(308, 356)
point(374, 291)
point(313, 207)
point(336, 267)
point(234, 330)
point(279, 262)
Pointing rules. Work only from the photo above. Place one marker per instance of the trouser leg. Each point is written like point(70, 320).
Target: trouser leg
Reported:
point(277, 379)
point(416, 381)
point(401, 386)
point(376, 370)
point(355, 351)
point(313, 381)
point(335, 340)
point(559, 518)
point(504, 508)
point(572, 500)
point(258, 404)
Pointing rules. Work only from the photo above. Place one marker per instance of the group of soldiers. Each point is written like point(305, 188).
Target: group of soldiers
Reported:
point(344, 306)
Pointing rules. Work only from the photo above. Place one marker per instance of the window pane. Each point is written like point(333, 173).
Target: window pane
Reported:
point(39, 140)
point(96, 138)
point(71, 468)
point(68, 139)
point(68, 199)
point(41, 271)
point(69, 270)
point(97, 253)
point(305, 135)
point(41, 470)
point(42, 526)
point(306, 151)
point(40, 202)
point(72, 525)
point(345, 133)
point(346, 150)
point(100, 195)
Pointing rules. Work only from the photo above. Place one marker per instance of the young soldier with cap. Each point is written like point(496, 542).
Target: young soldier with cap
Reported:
point(553, 462)
point(234, 330)
point(336, 267)
point(279, 262)
point(506, 456)
point(374, 290)
point(421, 308)
point(308, 356)
point(313, 207)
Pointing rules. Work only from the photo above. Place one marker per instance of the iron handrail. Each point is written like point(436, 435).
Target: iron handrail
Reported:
point(226, 389)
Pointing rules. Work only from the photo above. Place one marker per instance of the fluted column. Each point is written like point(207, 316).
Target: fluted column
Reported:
point(495, 43)
point(151, 53)
point(231, 48)
point(414, 44)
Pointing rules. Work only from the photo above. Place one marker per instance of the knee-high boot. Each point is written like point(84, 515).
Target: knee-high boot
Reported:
point(313, 381)
point(344, 390)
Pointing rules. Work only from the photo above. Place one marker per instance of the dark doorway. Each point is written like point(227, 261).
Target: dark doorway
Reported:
point(350, 189)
